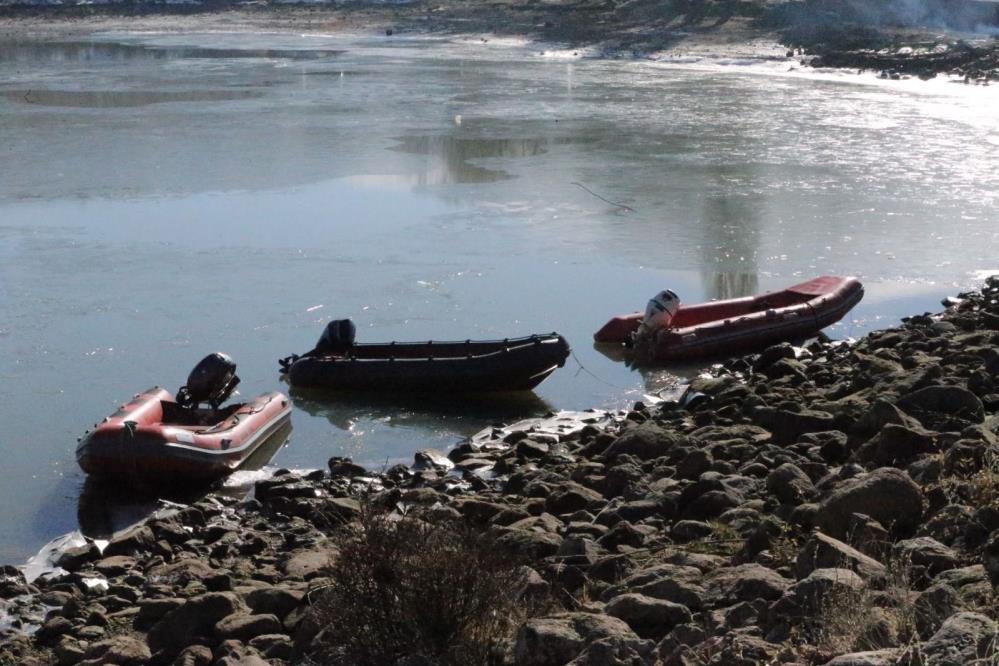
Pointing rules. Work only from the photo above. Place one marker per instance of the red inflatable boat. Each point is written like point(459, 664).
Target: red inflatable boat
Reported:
point(740, 324)
point(157, 439)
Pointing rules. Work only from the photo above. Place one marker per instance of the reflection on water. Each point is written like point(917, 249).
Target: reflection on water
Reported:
point(731, 221)
point(379, 430)
point(106, 506)
point(109, 53)
point(454, 155)
point(465, 413)
point(110, 99)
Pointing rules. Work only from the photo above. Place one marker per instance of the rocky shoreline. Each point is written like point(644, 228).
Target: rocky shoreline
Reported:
point(837, 504)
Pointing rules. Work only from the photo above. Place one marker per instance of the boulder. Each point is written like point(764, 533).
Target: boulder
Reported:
point(886, 657)
point(810, 592)
point(244, 627)
point(887, 495)
point(881, 413)
point(647, 616)
point(119, 650)
point(790, 485)
point(274, 600)
point(926, 552)
point(990, 558)
point(746, 582)
point(197, 617)
point(823, 552)
point(131, 541)
point(340, 466)
point(963, 638)
point(934, 605)
point(644, 441)
point(529, 543)
point(950, 400)
point(558, 639)
point(788, 426)
point(569, 497)
point(153, 610)
point(613, 651)
point(897, 445)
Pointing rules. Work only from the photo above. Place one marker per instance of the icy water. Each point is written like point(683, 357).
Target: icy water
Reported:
point(162, 197)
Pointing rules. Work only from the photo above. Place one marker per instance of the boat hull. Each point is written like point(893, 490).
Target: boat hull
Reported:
point(516, 364)
point(741, 325)
point(135, 445)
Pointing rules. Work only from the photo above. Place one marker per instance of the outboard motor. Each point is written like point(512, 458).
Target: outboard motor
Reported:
point(338, 336)
point(659, 312)
point(213, 380)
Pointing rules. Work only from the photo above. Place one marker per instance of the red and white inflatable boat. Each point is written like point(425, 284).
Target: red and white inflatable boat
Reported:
point(740, 324)
point(157, 439)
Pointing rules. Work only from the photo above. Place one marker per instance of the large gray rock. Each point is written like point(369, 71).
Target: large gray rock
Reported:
point(790, 485)
point(926, 552)
point(990, 558)
point(897, 445)
point(951, 400)
point(529, 543)
point(119, 650)
point(672, 582)
point(570, 496)
point(824, 552)
point(746, 582)
point(886, 657)
point(131, 541)
point(934, 605)
point(647, 616)
point(811, 592)
point(880, 413)
point(275, 600)
point(613, 651)
point(197, 617)
point(963, 638)
point(244, 627)
point(557, 640)
point(645, 441)
point(887, 494)
point(788, 426)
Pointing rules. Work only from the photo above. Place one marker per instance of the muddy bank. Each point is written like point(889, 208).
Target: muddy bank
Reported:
point(837, 504)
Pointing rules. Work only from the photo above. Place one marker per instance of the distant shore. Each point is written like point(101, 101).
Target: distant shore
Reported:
point(640, 28)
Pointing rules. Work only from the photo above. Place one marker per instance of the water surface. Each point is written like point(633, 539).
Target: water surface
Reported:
point(165, 196)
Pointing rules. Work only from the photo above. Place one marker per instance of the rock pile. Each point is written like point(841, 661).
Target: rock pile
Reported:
point(837, 504)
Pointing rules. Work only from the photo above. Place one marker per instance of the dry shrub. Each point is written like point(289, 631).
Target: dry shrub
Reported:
point(985, 482)
point(407, 588)
point(850, 620)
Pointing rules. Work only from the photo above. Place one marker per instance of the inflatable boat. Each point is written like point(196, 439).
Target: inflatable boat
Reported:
point(469, 366)
point(162, 440)
point(740, 324)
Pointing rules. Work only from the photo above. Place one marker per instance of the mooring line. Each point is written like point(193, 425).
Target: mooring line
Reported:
point(627, 208)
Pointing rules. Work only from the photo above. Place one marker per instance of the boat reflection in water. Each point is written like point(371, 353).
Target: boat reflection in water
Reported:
point(106, 507)
point(421, 411)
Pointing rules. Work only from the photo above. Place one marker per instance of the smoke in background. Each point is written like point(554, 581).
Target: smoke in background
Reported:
point(980, 16)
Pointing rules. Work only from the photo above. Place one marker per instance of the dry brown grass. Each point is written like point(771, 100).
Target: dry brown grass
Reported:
point(850, 620)
point(409, 587)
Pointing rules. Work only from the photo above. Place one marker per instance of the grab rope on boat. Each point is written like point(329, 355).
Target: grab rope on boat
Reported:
point(287, 362)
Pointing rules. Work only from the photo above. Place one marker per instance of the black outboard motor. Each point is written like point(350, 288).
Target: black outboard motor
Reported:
point(338, 337)
point(213, 380)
